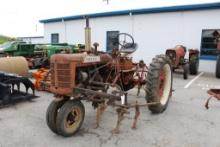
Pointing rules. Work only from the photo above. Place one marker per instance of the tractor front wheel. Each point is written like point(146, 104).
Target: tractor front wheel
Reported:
point(51, 114)
point(159, 84)
point(70, 118)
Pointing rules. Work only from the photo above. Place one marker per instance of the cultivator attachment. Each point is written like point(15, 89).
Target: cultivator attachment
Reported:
point(123, 109)
point(10, 85)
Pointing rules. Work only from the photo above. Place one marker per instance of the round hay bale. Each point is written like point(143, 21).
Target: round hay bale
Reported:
point(16, 65)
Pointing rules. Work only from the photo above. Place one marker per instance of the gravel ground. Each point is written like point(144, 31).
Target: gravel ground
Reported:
point(186, 123)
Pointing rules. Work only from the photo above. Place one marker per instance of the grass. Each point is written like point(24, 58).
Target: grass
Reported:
point(4, 39)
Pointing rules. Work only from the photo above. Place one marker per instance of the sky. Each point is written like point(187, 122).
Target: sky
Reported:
point(20, 18)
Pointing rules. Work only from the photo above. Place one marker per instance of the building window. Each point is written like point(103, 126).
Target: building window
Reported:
point(210, 43)
point(55, 38)
point(112, 40)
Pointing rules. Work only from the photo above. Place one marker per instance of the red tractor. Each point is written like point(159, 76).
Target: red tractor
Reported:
point(178, 61)
point(104, 80)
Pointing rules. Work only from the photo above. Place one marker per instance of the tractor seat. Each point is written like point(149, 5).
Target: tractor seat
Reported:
point(129, 48)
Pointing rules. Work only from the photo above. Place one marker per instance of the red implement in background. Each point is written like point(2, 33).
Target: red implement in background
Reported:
point(214, 93)
point(42, 79)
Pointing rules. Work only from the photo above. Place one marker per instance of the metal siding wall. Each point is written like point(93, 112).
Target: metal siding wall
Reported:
point(100, 26)
point(194, 22)
point(37, 40)
point(154, 33)
point(58, 27)
point(33, 40)
point(75, 31)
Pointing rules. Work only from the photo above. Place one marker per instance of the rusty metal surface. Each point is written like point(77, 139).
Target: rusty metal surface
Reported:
point(79, 57)
point(214, 93)
point(176, 55)
point(62, 77)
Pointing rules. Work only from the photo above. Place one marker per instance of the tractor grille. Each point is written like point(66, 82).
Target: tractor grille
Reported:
point(61, 75)
point(52, 74)
point(63, 66)
point(63, 79)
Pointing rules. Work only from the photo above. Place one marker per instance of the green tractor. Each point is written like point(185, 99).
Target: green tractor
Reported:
point(47, 50)
point(20, 48)
point(17, 48)
point(51, 49)
point(37, 55)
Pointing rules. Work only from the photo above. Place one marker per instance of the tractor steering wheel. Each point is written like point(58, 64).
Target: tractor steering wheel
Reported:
point(125, 40)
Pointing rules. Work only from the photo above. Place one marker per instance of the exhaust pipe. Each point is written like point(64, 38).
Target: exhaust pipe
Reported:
point(87, 35)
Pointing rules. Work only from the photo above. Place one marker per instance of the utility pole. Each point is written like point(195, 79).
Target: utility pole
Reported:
point(107, 1)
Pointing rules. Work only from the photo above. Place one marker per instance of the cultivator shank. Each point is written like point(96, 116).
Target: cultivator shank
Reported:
point(103, 100)
point(10, 92)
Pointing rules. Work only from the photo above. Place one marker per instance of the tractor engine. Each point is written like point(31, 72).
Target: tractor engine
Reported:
point(71, 70)
point(176, 55)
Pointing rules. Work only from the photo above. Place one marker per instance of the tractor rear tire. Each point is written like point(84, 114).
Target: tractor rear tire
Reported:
point(217, 70)
point(51, 114)
point(185, 71)
point(70, 118)
point(159, 84)
point(193, 67)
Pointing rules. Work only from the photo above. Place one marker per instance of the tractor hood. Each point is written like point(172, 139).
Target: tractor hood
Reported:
point(81, 58)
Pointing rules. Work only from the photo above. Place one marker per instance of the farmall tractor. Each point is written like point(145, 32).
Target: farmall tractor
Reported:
point(178, 61)
point(104, 79)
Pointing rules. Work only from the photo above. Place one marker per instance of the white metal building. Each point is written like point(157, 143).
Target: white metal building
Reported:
point(154, 30)
point(32, 39)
